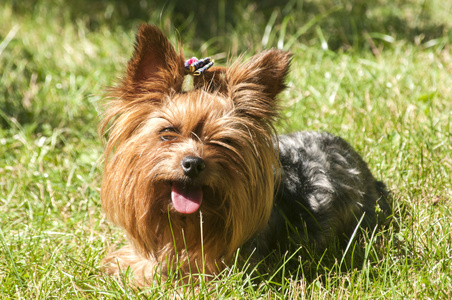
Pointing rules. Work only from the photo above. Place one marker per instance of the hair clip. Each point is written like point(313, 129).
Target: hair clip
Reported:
point(197, 67)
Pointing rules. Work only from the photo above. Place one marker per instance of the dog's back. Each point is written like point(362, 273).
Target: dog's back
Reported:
point(326, 190)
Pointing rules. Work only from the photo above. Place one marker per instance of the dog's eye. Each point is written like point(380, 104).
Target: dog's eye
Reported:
point(168, 134)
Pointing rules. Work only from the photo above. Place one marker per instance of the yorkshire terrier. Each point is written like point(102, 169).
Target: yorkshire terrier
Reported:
point(193, 173)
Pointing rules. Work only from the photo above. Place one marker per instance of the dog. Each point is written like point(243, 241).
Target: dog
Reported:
point(192, 174)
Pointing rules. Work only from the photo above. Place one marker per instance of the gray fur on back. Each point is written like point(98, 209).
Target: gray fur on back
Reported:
point(325, 189)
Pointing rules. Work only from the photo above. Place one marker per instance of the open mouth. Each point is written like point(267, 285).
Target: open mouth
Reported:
point(186, 199)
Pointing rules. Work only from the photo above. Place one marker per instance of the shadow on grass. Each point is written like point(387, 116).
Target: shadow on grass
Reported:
point(346, 26)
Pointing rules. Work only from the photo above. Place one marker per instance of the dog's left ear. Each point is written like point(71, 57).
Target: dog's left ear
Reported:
point(268, 70)
point(255, 84)
point(264, 72)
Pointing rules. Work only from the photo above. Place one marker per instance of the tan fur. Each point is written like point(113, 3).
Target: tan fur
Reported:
point(226, 120)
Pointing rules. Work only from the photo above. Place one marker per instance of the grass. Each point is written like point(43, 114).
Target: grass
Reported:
point(378, 75)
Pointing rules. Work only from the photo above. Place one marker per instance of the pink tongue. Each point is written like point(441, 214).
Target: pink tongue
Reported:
point(186, 200)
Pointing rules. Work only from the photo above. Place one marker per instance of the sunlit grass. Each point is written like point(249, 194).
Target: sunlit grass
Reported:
point(386, 89)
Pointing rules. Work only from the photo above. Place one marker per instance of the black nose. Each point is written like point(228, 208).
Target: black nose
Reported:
point(192, 165)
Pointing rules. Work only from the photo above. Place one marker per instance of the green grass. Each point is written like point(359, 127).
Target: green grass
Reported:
point(379, 75)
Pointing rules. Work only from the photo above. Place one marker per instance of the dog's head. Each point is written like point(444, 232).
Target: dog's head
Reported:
point(174, 153)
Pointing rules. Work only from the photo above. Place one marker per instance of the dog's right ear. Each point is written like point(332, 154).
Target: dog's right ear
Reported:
point(155, 67)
